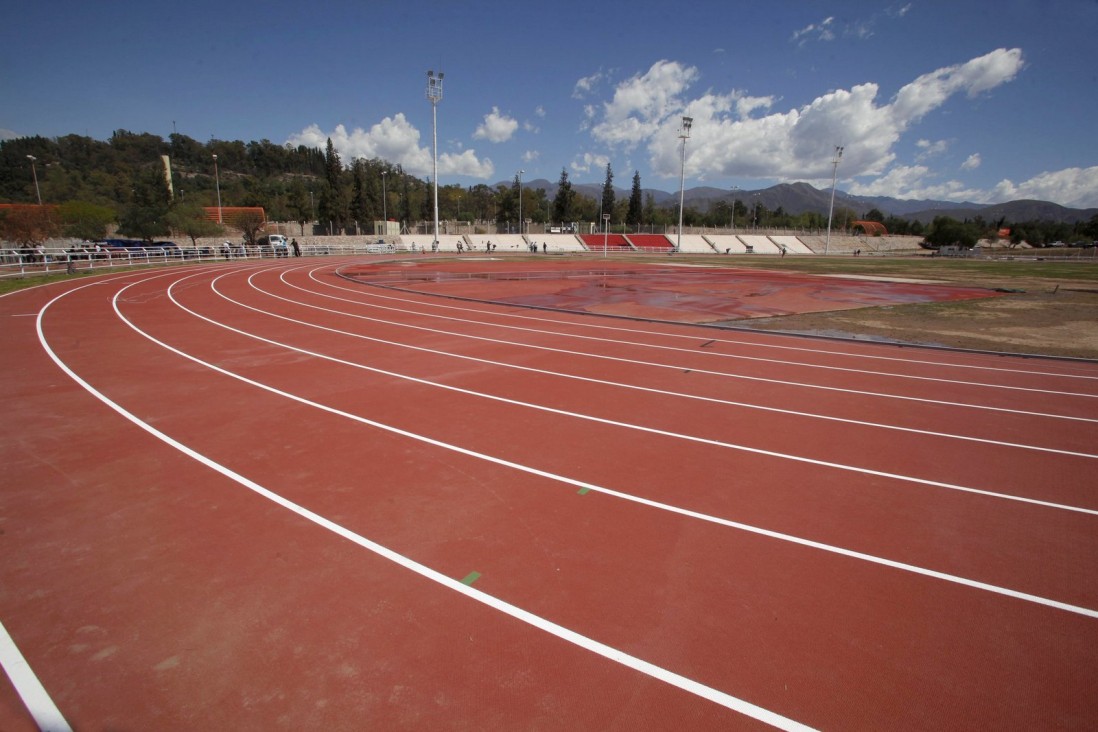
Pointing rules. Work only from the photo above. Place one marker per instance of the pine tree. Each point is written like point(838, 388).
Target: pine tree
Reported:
point(564, 202)
point(636, 211)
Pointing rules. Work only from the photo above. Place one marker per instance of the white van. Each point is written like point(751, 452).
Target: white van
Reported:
point(273, 244)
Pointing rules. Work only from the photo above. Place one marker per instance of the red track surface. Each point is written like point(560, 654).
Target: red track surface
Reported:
point(246, 497)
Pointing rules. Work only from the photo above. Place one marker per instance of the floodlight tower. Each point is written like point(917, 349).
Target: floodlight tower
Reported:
point(434, 96)
point(518, 176)
point(34, 174)
point(384, 203)
point(684, 134)
point(834, 180)
point(217, 182)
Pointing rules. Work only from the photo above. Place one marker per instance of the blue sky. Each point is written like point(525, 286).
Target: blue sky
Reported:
point(958, 100)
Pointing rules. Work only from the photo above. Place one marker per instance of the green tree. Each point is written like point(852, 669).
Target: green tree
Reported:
point(635, 215)
point(189, 219)
point(565, 200)
point(947, 231)
point(83, 220)
point(608, 193)
point(145, 216)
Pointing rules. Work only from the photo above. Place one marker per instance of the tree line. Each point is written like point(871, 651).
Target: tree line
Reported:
point(96, 184)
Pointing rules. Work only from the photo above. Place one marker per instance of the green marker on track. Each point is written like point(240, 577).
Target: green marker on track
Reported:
point(583, 491)
point(471, 578)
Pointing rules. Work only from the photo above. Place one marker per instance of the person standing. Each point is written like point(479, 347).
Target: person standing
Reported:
point(296, 247)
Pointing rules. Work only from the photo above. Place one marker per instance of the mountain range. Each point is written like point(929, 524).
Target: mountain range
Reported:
point(795, 198)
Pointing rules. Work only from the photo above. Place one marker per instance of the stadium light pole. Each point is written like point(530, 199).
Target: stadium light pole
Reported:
point(34, 174)
point(831, 208)
point(217, 182)
point(384, 203)
point(732, 220)
point(518, 175)
point(434, 95)
point(684, 134)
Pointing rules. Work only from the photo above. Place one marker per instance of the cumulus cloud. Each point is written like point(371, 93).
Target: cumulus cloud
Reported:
point(1073, 187)
point(496, 127)
point(586, 85)
point(738, 135)
point(588, 161)
point(9, 134)
point(928, 148)
point(396, 140)
point(972, 162)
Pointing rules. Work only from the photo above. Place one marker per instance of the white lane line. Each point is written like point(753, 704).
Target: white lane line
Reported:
point(679, 367)
point(35, 697)
point(728, 341)
point(622, 385)
point(603, 420)
point(736, 356)
point(589, 644)
point(976, 584)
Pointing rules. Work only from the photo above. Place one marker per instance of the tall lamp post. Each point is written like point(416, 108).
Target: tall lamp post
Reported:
point(605, 232)
point(831, 208)
point(519, 177)
point(434, 96)
point(217, 182)
point(732, 220)
point(384, 204)
point(684, 134)
point(34, 174)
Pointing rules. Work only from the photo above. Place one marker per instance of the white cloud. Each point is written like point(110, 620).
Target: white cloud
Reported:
point(587, 161)
point(822, 31)
point(795, 144)
point(929, 149)
point(1073, 187)
point(586, 85)
point(395, 140)
point(496, 127)
point(530, 156)
point(972, 162)
point(9, 134)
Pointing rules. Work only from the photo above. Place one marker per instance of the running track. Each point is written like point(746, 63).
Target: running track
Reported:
point(263, 497)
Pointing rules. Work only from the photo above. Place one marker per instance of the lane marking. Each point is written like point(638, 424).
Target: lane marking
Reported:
point(662, 392)
point(35, 697)
point(613, 654)
point(743, 377)
point(736, 356)
point(634, 331)
point(850, 553)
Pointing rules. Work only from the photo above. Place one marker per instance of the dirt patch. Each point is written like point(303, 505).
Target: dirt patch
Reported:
point(1060, 323)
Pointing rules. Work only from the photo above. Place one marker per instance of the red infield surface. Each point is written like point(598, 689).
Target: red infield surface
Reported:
point(262, 496)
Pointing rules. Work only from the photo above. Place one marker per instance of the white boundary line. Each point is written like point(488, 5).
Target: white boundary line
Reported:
point(35, 697)
point(764, 335)
point(680, 367)
point(1048, 602)
point(649, 669)
point(604, 382)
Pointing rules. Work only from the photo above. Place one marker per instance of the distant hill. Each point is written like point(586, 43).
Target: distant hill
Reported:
point(796, 198)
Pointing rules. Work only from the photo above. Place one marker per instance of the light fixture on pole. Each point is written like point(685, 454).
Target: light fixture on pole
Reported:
point(732, 220)
point(434, 96)
point(684, 133)
point(518, 177)
point(384, 203)
point(217, 182)
point(605, 230)
point(34, 174)
point(831, 209)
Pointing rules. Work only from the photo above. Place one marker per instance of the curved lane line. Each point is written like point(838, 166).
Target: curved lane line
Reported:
point(604, 382)
point(654, 364)
point(669, 335)
point(914, 569)
point(649, 669)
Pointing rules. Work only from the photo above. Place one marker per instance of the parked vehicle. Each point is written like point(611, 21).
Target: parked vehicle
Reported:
point(273, 244)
